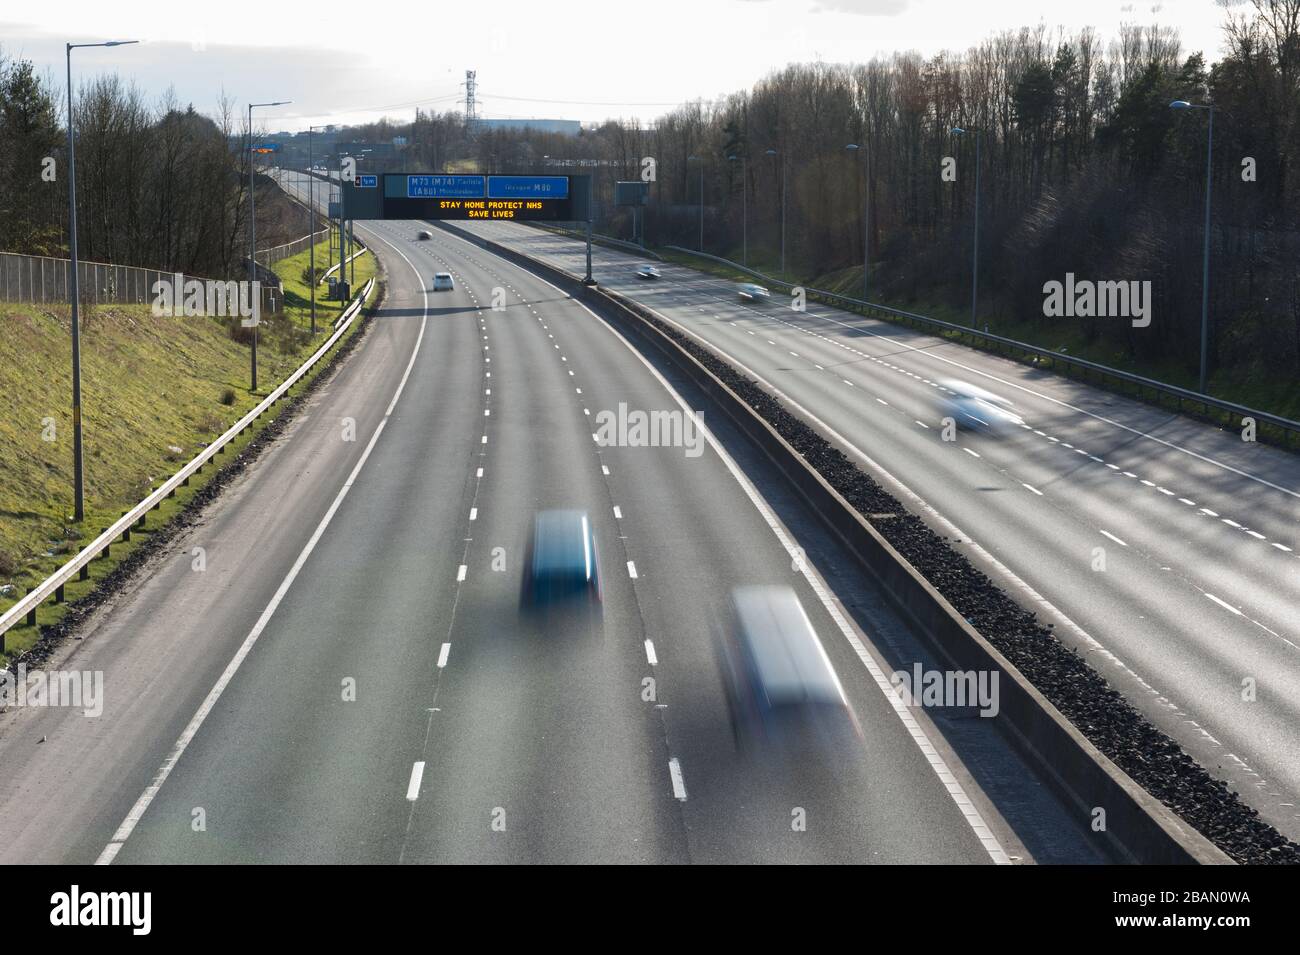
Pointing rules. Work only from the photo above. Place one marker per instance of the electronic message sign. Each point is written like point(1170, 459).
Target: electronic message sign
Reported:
point(473, 196)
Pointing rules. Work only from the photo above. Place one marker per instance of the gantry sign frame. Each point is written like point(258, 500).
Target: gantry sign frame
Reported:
point(468, 197)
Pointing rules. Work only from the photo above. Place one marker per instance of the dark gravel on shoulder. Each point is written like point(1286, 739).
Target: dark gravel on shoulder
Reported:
point(1096, 709)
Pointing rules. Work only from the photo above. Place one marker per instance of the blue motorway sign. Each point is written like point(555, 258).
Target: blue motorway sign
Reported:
point(528, 187)
point(444, 187)
point(367, 182)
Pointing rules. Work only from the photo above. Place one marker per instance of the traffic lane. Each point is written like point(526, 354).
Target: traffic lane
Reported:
point(1159, 435)
point(540, 749)
point(1049, 533)
point(743, 811)
point(301, 758)
point(162, 644)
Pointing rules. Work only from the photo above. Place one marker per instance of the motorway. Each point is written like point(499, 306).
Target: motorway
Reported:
point(349, 680)
point(1164, 549)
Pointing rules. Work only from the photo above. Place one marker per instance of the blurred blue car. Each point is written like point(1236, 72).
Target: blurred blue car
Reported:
point(561, 566)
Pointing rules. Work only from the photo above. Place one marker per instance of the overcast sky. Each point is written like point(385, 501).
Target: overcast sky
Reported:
point(571, 60)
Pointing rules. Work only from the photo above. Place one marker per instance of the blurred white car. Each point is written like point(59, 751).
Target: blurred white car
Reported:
point(752, 292)
point(647, 272)
point(781, 689)
point(975, 408)
point(442, 282)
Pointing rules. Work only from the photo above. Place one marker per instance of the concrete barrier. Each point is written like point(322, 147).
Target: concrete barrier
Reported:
point(1139, 828)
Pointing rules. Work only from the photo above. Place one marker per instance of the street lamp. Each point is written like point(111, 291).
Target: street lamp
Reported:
point(744, 199)
point(975, 255)
point(311, 228)
point(700, 160)
point(1205, 254)
point(866, 217)
point(74, 289)
point(772, 152)
point(252, 228)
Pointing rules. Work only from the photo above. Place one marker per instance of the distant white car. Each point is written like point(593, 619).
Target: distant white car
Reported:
point(647, 272)
point(751, 292)
point(442, 282)
point(975, 408)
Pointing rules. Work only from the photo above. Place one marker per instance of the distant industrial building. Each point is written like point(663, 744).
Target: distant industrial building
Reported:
point(567, 127)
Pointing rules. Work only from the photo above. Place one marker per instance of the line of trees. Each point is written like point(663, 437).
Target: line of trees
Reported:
point(1084, 169)
point(158, 185)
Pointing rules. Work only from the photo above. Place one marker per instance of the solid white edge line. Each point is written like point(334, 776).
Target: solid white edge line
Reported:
point(138, 810)
point(937, 763)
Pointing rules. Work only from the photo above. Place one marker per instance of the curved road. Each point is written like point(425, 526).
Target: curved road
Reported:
point(349, 680)
point(1166, 550)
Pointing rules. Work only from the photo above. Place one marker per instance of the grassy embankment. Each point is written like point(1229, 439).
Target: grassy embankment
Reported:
point(154, 392)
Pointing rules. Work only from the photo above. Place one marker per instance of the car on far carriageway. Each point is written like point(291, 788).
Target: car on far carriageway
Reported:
point(752, 292)
point(647, 272)
point(424, 235)
point(442, 282)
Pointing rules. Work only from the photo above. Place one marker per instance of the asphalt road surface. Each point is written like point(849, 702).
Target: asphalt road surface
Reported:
point(1166, 550)
point(349, 679)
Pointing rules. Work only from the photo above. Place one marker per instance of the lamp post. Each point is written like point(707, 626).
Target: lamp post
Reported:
point(1205, 253)
point(252, 230)
point(311, 228)
point(772, 152)
point(975, 254)
point(866, 217)
point(74, 292)
point(700, 160)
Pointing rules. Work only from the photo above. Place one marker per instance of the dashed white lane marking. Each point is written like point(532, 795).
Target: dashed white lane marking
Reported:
point(142, 804)
point(679, 784)
point(1282, 547)
point(460, 573)
point(413, 787)
point(618, 514)
point(604, 470)
point(1114, 538)
point(1209, 513)
point(480, 473)
point(974, 454)
point(923, 424)
point(1257, 535)
point(1032, 488)
point(1187, 502)
point(473, 513)
point(933, 758)
point(1224, 604)
point(631, 570)
point(442, 655)
point(650, 653)
point(1230, 523)
point(484, 440)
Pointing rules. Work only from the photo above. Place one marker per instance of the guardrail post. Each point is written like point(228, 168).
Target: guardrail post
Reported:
point(31, 614)
point(58, 594)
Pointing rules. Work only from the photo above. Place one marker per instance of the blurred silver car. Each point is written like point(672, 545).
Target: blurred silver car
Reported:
point(977, 409)
point(781, 688)
point(647, 272)
point(442, 282)
point(751, 292)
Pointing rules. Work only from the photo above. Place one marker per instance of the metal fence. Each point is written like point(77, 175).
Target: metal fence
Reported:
point(40, 279)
